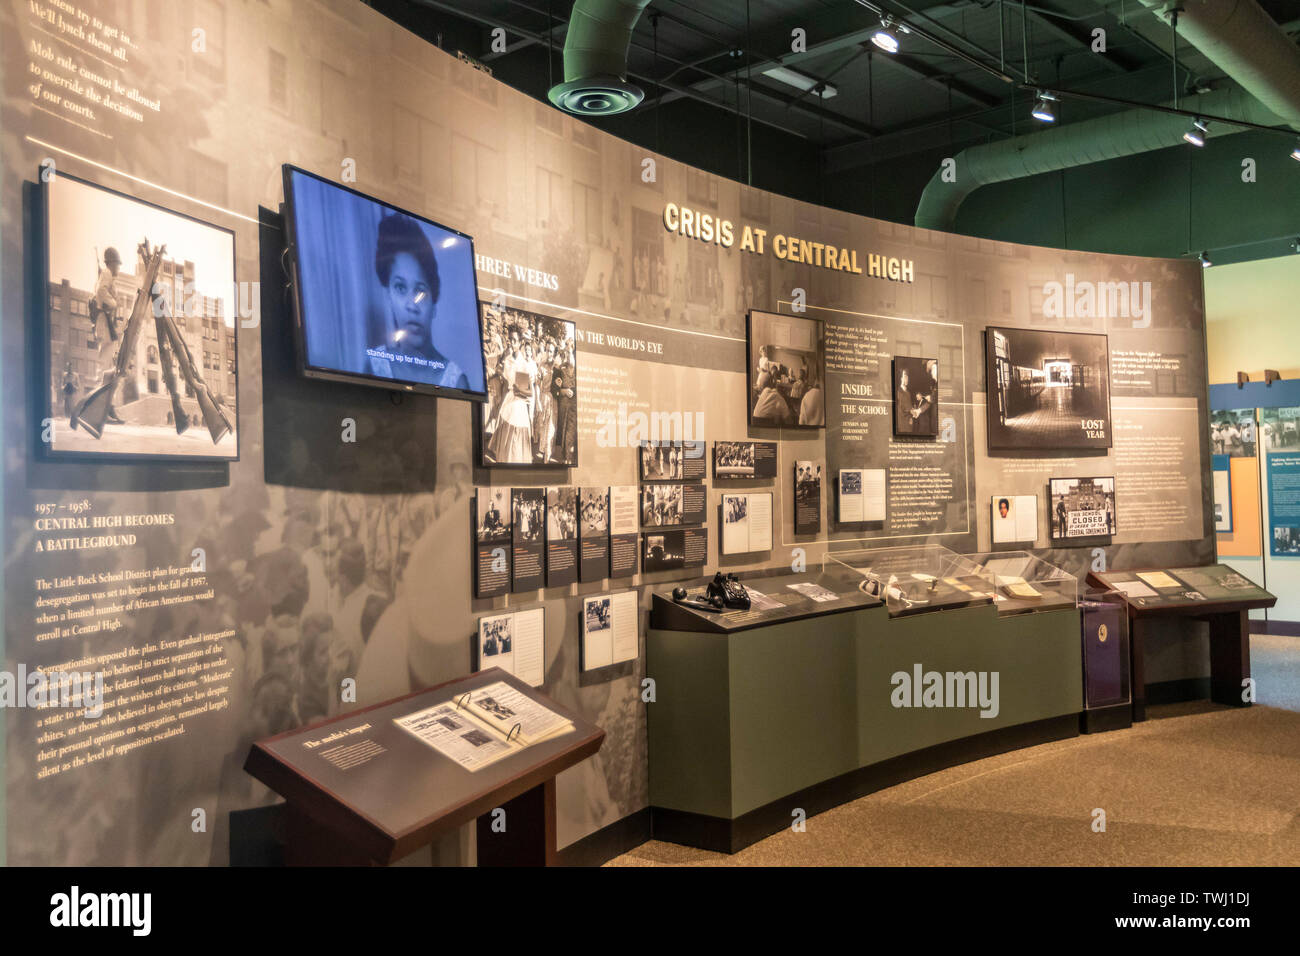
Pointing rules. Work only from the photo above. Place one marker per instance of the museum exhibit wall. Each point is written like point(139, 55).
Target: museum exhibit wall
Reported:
point(310, 541)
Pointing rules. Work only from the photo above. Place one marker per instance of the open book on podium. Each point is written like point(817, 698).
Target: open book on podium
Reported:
point(482, 726)
point(374, 784)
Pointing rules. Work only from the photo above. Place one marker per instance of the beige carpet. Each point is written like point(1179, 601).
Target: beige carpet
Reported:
point(1197, 785)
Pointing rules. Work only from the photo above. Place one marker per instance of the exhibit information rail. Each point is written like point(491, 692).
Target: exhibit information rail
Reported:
point(1216, 594)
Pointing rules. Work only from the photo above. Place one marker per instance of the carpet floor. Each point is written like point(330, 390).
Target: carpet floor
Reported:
point(1198, 784)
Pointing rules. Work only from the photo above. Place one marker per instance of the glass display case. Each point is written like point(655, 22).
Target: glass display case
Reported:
point(912, 580)
point(1024, 582)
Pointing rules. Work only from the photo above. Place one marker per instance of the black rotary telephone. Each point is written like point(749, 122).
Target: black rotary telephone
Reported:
point(730, 590)
point(710, 604)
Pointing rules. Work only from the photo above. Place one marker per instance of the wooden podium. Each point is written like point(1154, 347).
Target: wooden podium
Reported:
point(1215, 594)
point(393, 793)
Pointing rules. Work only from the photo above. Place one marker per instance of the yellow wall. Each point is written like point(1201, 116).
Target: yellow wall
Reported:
point(1252, 312)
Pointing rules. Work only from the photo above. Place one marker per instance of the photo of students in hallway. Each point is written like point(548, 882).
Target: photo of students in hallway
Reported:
point(1047, 390)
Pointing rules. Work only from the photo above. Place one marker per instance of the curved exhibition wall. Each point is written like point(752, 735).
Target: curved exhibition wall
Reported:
point(338, 543)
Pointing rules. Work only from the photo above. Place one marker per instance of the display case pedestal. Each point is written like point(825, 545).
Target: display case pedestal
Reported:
point(756, 729)
point(1214, 594)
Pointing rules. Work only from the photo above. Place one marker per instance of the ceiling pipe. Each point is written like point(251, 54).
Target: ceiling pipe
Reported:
point(1078, 144)
point(1236, 35)
point(1242, 40)
point(595, 59)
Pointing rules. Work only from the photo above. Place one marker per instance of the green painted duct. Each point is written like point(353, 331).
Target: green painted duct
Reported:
point(1238, 36)
point(595, 58)
point(1242, 40)
point(1078, 144)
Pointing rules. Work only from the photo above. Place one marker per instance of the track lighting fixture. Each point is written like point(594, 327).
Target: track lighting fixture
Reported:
point(1204, 258)
point(1043, 110)
point(886, 37)
point(1197, 132)
point(1295, 152)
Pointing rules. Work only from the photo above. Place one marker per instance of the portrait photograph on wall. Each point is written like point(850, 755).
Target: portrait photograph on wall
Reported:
point(1015, 519)
point(530, 418)
point(140, 329)
point(786, 371)
point(916, 397)
point(1047, 390)
point(1082, 507)
point(384, 297)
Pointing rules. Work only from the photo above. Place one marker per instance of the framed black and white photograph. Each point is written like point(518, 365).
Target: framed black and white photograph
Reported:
point(744, 459)
point(1047, 390)
point(916, 397)
point(661, 505)
point(672, 460)
point(139, 343)
point(562, 513)
point(1082, 508)
point(531, 416)
point(663, 551)
point(529, 506)
point(661, 461)
point(807, 497)
point(594, 512)
point(786, 371)
point(494, 511)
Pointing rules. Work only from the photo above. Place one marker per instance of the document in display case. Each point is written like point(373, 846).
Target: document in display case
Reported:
point(1193, 588)
point(1024, 582)
point(774, 599)
point(913, 580)
point(1215, 594)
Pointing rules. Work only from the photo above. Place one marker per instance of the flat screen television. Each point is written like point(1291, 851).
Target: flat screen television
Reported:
point(382, 297)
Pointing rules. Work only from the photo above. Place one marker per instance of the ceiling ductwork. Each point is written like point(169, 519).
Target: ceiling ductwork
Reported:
point(1242, 40)
point(595, 58)
point(1092, 141)
point(1237, 35)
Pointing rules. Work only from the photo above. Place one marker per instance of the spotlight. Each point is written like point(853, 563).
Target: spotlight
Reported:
point(1043, 110)
point(1204, 258)
point(1295, 153)
point(1196, 134)
point(886, 37)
